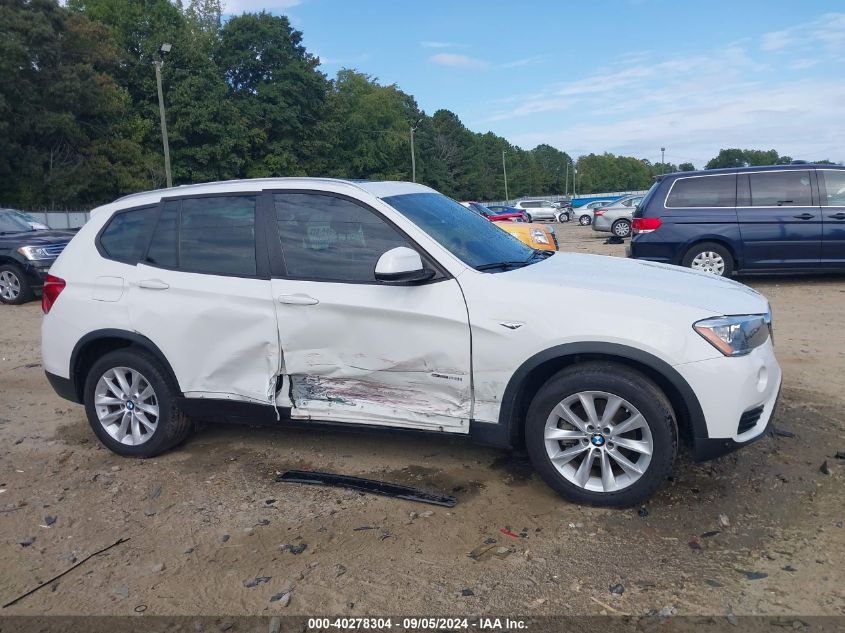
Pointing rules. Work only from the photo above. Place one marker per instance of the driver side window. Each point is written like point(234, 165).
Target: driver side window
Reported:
point(325, 238)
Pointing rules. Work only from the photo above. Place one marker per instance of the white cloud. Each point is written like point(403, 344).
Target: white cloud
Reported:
point(525, 61)
point(431, 44)
point(252, 6)
point(827, 31)
point(458, 61)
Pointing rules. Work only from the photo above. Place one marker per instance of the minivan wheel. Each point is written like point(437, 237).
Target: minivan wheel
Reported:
point(131, 404)
point(601, 433)
point(710, 257)
point(14, 289)
point(621, 228)
point(584, 220)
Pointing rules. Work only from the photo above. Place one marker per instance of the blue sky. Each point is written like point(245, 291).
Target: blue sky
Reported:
point(623, 76)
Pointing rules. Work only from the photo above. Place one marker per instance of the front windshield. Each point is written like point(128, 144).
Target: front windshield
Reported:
point(12, 222)
point(474, 240)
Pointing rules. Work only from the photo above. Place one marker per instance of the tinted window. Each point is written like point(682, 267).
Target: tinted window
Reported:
point(780, 189)
point(704, 191)
point(333, 239)
point(531, 204)
point(468, 236)
point(833, 187)
point(11, 222)
point(206, 235)
point(125, 236)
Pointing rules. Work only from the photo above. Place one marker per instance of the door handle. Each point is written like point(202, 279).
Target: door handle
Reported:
point(298, 300)
point(153, 284)
point(804, 216)
point(838, 216)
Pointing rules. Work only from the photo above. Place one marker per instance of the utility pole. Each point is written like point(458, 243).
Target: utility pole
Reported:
point(566, 180)
point(164, 50)
point(505, 171)
point(574, 176)
point(662, 160)
point(413, 156)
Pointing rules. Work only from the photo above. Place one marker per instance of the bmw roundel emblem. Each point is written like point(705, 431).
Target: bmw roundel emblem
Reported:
point(597, 440)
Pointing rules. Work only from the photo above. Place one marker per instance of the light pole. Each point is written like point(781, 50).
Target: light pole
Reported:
point(662, 159)
point(574, 176)
point(566, 180)
point(413, 156)
point(505, 171)
point(163, 51)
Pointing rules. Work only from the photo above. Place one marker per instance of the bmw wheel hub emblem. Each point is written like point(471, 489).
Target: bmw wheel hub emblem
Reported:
point(597, 440)
point(130, 405)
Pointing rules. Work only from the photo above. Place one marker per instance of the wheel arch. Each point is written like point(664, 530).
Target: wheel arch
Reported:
point(534, 372)
point(95, 344)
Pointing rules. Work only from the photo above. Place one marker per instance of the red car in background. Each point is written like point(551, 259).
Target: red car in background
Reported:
point(479, 208)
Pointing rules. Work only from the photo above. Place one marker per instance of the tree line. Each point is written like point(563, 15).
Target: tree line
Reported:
point(79, 121)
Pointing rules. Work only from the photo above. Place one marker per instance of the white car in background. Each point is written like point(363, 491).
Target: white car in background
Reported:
point(388, 304)
point(544, 210)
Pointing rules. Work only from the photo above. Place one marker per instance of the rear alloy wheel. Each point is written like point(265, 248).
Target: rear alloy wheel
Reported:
point(584, 220)
point(131, 404)
point(601, 433)
point(621, 228)
point(528, 217)
point(14, 288)
point(710, 257)
point(562, 217)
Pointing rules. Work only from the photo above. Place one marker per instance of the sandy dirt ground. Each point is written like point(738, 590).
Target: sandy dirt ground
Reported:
point(757, 532)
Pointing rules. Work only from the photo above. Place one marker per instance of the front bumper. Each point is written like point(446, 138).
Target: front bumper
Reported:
point(35, 272)
point(726, 389)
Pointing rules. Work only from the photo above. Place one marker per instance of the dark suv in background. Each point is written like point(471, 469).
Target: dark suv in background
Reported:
point(26, 255)
point(750, 219)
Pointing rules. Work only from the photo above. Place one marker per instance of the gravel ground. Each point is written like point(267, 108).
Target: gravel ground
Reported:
point(759, 531)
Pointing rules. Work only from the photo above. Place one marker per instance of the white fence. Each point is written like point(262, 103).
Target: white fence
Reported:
point(60, 219)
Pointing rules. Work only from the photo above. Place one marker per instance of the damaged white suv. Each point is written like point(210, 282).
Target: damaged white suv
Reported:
point(388, 304)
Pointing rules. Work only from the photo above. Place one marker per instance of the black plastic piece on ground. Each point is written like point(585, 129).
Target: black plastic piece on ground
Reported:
point(366, 485)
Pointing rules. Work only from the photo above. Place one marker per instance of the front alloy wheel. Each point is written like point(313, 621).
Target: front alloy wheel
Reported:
point(601, 433)
point(14, 288)
point(602, 452)
point(584, 220)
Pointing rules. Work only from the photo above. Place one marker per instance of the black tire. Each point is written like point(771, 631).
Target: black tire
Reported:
point(621, 228)
point(630, 385)
point(585, 220)
point(562, 217)
point(712, 247)
point(528, 216)
point(172, 427)
point(24, 292)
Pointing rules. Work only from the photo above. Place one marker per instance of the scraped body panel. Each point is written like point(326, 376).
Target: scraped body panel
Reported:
point(378, 354)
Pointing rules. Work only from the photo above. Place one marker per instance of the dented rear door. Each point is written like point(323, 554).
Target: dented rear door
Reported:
point(202, 294)
point(356, 350)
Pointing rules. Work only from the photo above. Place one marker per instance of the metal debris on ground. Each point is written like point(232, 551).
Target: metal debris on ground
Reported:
point(366, 485)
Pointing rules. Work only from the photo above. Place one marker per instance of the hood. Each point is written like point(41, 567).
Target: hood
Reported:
point(637, 278)
point(37, 238)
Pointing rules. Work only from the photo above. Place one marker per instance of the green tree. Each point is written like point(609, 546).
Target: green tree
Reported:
point(64, 135)
point(686, 167)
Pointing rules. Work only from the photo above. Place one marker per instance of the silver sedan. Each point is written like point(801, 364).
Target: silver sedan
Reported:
point(616, 218)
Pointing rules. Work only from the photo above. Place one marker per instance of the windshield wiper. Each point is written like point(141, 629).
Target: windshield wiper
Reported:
point(493, 265)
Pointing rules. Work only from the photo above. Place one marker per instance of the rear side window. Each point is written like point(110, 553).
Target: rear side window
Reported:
point(780, 189)
point(331, 239)
point(833, 187)
point(703, 191)
point(214, 235)
point(125, 236)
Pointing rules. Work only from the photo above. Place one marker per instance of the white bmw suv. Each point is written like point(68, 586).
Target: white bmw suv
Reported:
point(388, 304)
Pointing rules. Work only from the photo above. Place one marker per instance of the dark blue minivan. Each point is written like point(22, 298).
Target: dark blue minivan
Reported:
point(781, 218)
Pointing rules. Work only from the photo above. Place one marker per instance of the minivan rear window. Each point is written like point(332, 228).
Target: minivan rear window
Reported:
point(703, 191)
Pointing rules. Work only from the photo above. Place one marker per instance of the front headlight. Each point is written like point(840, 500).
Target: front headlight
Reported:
point(539, 236)
point(735, 335)
point(34, 252)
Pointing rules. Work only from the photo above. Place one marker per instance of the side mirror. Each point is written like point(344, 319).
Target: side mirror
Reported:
point(402, 265)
